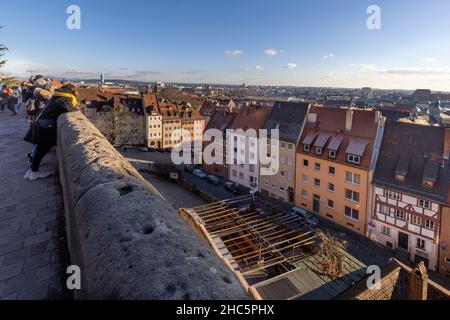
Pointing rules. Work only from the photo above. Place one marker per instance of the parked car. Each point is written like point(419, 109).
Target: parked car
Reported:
point(199, 173)
point(231, 187)
point(307, 216)
point(189, 169)
point(143, 149)
point(213, 180)
point(160, 150)
point(151, 149)
point(167, 150)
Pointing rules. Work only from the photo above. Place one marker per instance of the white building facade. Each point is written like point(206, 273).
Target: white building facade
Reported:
point(406, 223)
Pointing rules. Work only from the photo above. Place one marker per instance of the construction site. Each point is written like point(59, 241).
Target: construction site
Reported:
point(273, 252)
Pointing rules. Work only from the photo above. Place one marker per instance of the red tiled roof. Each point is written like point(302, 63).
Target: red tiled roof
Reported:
point(331, 123)
point(251, 117)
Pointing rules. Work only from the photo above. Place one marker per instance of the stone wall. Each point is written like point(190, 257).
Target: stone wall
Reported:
point(128, 241)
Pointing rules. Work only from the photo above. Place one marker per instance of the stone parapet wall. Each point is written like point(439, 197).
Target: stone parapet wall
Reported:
point(128, 241)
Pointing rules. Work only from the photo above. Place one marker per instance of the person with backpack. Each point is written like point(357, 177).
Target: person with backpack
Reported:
point(43, 131)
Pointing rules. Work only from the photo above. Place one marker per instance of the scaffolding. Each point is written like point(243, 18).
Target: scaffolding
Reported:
point(253, 235)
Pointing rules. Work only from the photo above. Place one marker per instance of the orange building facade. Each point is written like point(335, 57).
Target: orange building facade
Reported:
point(334, 165)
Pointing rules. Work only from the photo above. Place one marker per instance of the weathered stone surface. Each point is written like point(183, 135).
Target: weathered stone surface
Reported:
point(128, 241)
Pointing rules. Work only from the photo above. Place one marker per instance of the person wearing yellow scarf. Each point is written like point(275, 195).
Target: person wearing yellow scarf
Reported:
point(67, 95)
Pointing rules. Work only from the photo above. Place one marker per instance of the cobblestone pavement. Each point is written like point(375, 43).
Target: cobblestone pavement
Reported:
point(32, 236)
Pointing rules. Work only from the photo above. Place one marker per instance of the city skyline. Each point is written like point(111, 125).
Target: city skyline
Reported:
point(318, 44)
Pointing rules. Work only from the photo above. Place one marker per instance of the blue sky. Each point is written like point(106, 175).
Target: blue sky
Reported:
point(284, 42)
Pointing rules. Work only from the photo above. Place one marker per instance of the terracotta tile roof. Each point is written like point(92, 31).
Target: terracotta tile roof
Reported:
point(221, 120)
point(330, 127)
point(417, 151)
point(251, 117)
point(151, 103)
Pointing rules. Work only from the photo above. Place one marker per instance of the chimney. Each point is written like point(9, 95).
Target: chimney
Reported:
point(377, 116)
point(312, 117)
point(447, 144)
point(417, 283)
point(348, 120)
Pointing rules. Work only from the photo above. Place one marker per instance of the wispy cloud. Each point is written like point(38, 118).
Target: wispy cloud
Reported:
point(255, 68)
point(234, 53)
point(273, 52)
point(429, 59)
point(329, 56)
point(405, 71)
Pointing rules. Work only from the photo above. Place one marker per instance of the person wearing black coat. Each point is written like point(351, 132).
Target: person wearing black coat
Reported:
point(43, 131)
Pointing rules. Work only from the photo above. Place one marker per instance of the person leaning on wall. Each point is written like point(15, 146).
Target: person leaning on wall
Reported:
point(43, 131)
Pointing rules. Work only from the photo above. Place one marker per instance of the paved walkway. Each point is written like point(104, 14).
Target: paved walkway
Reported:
point(32, 237)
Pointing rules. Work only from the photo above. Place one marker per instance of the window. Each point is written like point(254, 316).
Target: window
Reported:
point(290, 161)
point(234, 173)
point(306, 147)
point(331, 187)
point(400, 215)
point(332, 154)
point(420, 244)
point(283, 145)
point(317, 182)
point(304, 194)
point(352, 213)
point(416, 220)
point(429, 224)
point(317, 166)
point(306, 163)
point(332, 170)
point(241, 175)
point(252, 168)
point(424, 204)
point(330, 204)
point(289, 175)
point(391, 194)
point(352, 177)
point(282, 174)
point(290, 146)
point(305, 178)
point(351, 195)
point(384, 209)
point(400, 177)
point(319, 151)
point(386, 230)
point(353, 159)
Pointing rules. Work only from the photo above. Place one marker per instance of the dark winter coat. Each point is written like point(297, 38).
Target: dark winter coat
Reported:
point(43, 130)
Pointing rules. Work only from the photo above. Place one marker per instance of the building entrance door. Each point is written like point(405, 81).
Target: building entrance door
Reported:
point(316, 204)
point(403, 240)
point(291, 195)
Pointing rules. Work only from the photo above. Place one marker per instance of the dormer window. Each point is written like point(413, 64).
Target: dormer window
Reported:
point(353, 159)
point(400, 177)
point(332, 154)
point(306, 147)
point(319, 151)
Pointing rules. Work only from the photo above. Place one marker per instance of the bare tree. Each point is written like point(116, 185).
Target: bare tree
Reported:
point(4, 78)
point(331, 255)
point(120, 126)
